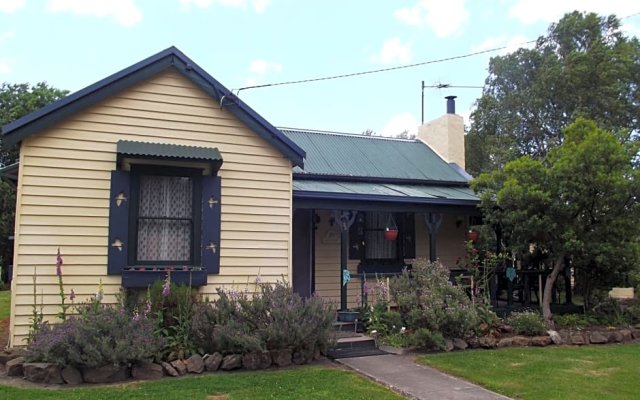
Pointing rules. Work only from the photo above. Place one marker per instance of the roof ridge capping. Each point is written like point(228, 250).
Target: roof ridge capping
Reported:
point(32, 123)
point(348, 134)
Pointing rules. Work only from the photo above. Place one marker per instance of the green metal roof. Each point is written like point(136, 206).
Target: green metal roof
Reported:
point(433, 194)
point(172, 151)
point(348, 155)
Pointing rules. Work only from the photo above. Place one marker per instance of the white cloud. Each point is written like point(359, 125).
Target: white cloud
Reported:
point(258, 5)
point(400, 123)
point(5, 67)
point(260, 68)
point(393, 52)
point(445, 18)
point(530, 12)
point(510, 44)
point(125, 12)
point(9, 6)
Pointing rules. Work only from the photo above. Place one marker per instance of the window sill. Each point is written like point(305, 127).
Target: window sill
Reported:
point(382, 267)
point(142, 277)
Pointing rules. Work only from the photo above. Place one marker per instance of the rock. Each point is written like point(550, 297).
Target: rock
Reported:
point(626, 335)
point(596, 337)
point(473, 343)
point(265, 359)
point(106, 374)
point(168, 369)
point(251, 361)
point(212, 361)
point(541, 341)
point(487, 342)
point(460, 344)
point(635, 333)
point(8, 355)
point(179, 366)
point(195, 364)
point(42, 373)
point(521, 341)
point(231, 362)
point(504, 328)
point(565, 336)
point(504, 342)
point(281, 358)
point(14, 366)
point(71, 375)
point(555, 337)
point(483, 327)
point(448, 345)
point(145, 370)
point(577, 339)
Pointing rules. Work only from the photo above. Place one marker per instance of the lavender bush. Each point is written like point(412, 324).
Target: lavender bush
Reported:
point(275, 318)
point(427, 300)
point(99, 335)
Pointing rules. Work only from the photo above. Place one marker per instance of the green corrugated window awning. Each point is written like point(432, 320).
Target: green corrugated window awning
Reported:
point(127, 148)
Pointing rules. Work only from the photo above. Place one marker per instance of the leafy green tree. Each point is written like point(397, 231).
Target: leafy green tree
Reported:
point(584, 66)
point(17, 100)
point(581, 203)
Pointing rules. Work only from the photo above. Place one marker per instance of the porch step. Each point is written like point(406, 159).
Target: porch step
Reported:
point(359, 346)
point(354, 326)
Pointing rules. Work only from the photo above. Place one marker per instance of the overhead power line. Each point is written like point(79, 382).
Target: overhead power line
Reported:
point(376, 71)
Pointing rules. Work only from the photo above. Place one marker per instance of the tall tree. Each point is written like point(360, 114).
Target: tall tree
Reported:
point(582, 203)
point(17, 100)
point(584, 66)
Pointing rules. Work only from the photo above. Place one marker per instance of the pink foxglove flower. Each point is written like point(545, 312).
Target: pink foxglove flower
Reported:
point(72, 295)
point(59, 263)
point(166, 288)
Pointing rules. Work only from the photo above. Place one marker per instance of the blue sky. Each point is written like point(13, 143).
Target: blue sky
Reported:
point(73, 43)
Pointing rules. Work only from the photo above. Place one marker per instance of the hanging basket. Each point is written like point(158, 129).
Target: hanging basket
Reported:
point(473, 235)
point(391, 234)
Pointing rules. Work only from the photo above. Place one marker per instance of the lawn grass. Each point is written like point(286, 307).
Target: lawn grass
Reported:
point(5, 304)
point(315, 382)
point(590, 372)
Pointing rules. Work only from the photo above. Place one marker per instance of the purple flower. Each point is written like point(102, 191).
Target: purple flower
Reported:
point(72, 295)
point(59, 263)
point(166, 288)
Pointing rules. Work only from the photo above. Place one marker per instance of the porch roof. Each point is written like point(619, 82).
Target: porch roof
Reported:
point(384, 192)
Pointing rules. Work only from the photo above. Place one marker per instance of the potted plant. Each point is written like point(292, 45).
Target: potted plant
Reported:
point(391, 231)
point(473, 235)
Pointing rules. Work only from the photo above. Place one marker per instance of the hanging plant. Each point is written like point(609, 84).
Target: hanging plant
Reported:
point(391, 231)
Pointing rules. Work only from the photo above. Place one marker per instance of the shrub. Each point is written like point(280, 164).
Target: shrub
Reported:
point(572, 321)
point(428, 300)
point(528, 323)
point(275, 318)
point(608, 311)
point(99, 335)
point(383, 321)
point(426, 339)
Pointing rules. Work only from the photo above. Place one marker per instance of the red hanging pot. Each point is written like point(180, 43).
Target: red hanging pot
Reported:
point(391, 234)
point(473, 235)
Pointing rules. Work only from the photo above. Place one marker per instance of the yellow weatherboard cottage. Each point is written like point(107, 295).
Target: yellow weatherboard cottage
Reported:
point(161, 167)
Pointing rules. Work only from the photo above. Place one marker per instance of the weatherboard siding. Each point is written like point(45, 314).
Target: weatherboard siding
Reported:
point(449, 246)
point(63, 194)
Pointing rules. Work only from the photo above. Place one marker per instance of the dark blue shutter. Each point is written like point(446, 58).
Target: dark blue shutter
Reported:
point(211, 224)
point(119, 199)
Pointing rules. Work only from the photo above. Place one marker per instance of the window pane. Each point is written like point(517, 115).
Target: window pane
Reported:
point(377, 247)
point(165, 218)
point(164, 240)
point(165, 196)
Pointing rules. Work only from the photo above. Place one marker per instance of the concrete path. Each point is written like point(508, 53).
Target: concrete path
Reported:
point(416, 381)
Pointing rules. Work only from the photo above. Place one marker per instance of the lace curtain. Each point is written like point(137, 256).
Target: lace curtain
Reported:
point(165, 218)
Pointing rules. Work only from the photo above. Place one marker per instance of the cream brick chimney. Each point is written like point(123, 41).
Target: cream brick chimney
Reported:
point(445, 135)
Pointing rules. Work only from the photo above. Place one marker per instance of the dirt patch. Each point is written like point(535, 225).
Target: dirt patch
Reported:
point(594, 373)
